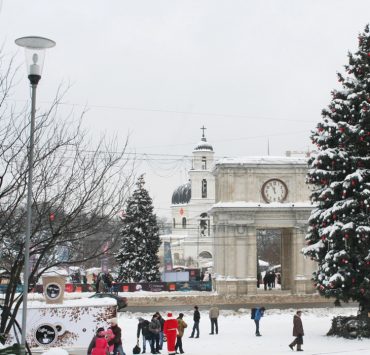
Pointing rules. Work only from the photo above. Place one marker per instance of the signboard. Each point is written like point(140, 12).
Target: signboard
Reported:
point(148, 286)
point(46, 334)
point(175, 276)
point(52, 291)
point(167, 256)
point(104, 260)
point(194, 274)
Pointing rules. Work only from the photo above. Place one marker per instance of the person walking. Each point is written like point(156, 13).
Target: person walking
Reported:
point(181, 325)
point(116, 341)
point(258, 314)
point(196, 319)
point(214, 312)
point(98, 344)
point(297, 332)
point(170, 331)
point(143, 329)
point(155, 328)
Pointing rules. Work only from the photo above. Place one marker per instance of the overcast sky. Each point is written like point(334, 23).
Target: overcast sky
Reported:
point(250, 71)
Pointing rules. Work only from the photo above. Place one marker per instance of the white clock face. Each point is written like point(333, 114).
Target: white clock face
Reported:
point(274, 190)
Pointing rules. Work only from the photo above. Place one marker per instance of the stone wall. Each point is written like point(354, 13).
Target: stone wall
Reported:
point(268, 300)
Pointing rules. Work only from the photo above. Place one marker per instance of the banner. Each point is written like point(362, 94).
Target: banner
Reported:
point(167, 256)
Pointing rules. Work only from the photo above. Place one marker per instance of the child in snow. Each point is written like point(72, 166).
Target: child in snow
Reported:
point(109, 336)
point(98, 344)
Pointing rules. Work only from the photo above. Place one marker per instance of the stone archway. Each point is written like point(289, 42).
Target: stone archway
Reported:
point(235, 248)
point(260, 193)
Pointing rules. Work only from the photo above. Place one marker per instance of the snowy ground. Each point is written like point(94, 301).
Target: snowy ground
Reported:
point(236, 334)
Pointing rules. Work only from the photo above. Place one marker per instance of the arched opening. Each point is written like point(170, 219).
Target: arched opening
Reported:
point(269, 248)
point(204, 225)
point(204, 188)
point(183, 222)
point(174, 223)
point(204, 163)
point(205, 255)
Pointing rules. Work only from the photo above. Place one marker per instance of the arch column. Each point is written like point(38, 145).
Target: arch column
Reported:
point(251, 251)
point(300, 279)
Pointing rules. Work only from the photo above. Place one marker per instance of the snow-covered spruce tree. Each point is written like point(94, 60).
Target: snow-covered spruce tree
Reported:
point(338, 237)
point(138, 253)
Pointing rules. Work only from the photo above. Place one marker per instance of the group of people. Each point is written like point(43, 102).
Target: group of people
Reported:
point(107, 342)
point(172, 329)
point(157, 331)
point(298, 333)
point(269, 280)
point(104, 282)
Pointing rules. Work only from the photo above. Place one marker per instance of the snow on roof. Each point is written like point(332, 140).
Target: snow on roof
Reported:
point(55, 272)
point(93, 270)
point(263, 263)
point(243, 204)
point(80, 302)
point(264, 160)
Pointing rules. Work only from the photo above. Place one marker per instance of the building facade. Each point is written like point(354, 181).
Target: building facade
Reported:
point(192, 234)
point(260, 193)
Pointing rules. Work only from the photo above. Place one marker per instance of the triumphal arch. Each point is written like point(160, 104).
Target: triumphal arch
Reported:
point(260, 193)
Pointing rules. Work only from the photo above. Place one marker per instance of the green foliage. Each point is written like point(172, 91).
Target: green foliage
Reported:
point(339, 230)
point(138, 253)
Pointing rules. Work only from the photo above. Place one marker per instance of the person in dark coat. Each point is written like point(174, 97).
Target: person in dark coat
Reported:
point(161, 320)
point(143, 329)
point(196, 319)
point(258, 314)
point(155, 329)
point(116, 341)
point(297, 332)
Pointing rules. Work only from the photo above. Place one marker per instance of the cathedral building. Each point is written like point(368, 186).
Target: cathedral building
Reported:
point(192, 234)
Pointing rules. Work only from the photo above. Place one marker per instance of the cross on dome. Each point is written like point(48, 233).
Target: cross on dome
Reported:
point(203, 129)
point(203, 144)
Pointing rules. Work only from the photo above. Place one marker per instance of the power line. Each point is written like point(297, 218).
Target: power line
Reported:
point(177, 112)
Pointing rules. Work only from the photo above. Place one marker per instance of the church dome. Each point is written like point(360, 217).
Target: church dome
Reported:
point(182, 194)
point(204, 145)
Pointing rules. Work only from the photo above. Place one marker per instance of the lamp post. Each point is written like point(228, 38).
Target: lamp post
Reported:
point(35, 52)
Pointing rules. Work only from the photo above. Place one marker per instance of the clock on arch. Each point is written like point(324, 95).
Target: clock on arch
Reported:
point(274, 190)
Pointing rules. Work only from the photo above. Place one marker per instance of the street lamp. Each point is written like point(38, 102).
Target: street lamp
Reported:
point(35, 53)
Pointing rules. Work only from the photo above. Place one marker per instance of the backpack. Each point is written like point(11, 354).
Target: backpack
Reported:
point(253, 313)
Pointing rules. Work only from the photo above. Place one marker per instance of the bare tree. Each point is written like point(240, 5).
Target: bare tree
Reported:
point(78, 188)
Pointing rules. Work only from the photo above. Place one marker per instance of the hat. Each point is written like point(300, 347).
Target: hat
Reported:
point(112, 320)
point(101, 329)
point(181, 315)
point(140, 319)
point(169, 314)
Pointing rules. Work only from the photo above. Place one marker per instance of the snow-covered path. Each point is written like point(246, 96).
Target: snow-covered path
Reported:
point(236, 334)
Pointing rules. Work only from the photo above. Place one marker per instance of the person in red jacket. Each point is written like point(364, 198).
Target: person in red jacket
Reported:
point(98, 345)
point(170, 330)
